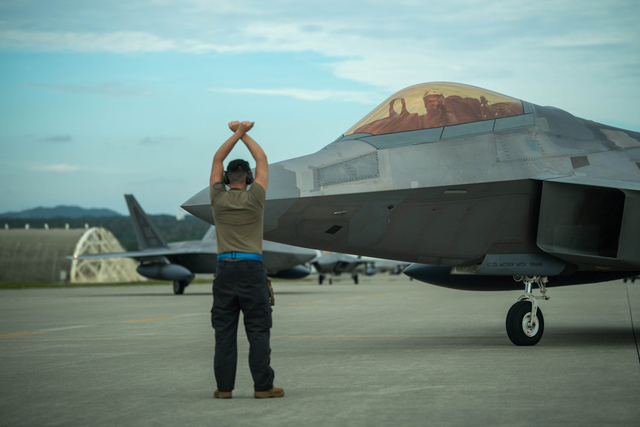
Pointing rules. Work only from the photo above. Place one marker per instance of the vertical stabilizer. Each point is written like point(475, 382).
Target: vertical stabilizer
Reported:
point(147, 235)
point(210, 234)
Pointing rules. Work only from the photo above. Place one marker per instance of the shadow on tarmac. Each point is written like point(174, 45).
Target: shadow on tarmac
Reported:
point(186, 294)
point(164, 294)
point(589, 337)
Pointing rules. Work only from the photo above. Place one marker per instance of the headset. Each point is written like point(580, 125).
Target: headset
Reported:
point(235, 165)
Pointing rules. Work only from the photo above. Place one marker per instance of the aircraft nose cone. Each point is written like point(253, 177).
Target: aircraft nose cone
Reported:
point(199, 205)
point(282, 193)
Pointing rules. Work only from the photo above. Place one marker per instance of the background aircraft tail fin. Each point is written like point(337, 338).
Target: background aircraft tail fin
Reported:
point(147, 235)
point(210, 234)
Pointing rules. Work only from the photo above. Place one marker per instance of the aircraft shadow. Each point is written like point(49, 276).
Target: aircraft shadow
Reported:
point(164, 294)
point(186, 294)
point(574, 337)
point(590, 336)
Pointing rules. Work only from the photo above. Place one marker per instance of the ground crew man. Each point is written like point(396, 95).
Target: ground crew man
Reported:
point(241, 280)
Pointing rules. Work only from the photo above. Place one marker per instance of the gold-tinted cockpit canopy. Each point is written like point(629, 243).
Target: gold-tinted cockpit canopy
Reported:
point(432, 105)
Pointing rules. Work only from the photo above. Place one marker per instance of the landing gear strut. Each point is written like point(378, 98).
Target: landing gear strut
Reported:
point(525, 323)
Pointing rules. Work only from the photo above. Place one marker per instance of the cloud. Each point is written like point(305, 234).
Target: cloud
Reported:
point(217, 7)
point(67, 168)
point(120, 42)
point(535, 48)
point(117, 89)
point(57, 168)
point(57, 138)
point(580, 40)
point(310, 95)
point(157, 140)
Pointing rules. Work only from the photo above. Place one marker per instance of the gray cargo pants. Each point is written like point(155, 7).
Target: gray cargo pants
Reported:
point(241, 285)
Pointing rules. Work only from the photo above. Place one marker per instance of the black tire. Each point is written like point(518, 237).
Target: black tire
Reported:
point(331, 280)
point(178, 287)
point(355, 279)
point(516, 328)
point(320, 279)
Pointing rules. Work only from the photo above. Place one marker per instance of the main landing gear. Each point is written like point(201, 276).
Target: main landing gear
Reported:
point(321, 279)
point(179, 285)
point(525, 323)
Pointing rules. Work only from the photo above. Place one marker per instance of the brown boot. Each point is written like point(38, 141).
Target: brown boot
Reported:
point(221, 394)
point(274, 392)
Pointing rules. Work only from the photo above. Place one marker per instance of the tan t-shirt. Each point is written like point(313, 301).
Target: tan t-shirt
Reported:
point(239, 218)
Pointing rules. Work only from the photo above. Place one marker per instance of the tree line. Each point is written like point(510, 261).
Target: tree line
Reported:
point(170, 229)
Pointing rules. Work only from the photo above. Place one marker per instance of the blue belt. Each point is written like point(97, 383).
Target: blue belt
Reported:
point(240, 255)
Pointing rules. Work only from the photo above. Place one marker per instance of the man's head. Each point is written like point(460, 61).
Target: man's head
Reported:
point(432, 98)
point(238, 173)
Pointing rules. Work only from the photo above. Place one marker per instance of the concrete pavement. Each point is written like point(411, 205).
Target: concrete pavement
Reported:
point(386, 352)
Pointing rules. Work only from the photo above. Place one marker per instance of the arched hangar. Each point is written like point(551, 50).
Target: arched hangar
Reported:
point(38, 255)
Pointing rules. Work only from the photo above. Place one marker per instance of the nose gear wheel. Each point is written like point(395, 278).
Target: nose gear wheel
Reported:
point(520, 329)
point(525, 323)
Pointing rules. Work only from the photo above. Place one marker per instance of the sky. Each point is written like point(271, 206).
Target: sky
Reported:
point(102, 98)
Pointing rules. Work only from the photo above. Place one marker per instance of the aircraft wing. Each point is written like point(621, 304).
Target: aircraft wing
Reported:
point(147, 255)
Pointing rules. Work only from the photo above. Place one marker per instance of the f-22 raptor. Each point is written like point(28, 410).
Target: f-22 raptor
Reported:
point(334, 264)
point(480, 190)
point(180, 261)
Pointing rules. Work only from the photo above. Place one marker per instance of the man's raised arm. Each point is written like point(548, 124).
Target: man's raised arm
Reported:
point(262, 165)
point(217, 168)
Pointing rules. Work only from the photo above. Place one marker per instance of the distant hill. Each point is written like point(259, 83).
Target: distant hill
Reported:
point(60, 212)
point(172, 230)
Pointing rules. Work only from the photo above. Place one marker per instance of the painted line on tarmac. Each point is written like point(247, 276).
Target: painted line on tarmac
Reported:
point(44, 331)
point(67, 327)
point(110, 339)
point(20, 334)
point(152, 319)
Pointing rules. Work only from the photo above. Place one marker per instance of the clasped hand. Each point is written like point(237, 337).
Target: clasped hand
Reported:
point(243, 127)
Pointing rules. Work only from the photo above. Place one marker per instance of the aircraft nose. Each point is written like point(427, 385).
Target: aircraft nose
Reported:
point(282, 194)
point(199, 205)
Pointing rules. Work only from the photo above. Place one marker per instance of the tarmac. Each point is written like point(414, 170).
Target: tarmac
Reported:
point(388, 351)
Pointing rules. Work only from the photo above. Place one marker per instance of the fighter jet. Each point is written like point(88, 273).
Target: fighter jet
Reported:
point(179, 261)
point(379, 265)
point(481, 190)
point(334, 264)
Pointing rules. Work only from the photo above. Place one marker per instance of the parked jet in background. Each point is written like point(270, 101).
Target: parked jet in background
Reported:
point(482, 185)
point(179, 261)
point(379, 265)
point(334, 264)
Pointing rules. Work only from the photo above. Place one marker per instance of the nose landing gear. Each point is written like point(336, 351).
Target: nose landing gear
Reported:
point(525, 323)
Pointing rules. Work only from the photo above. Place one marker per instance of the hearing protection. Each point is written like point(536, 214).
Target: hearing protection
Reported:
point(235, 165)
